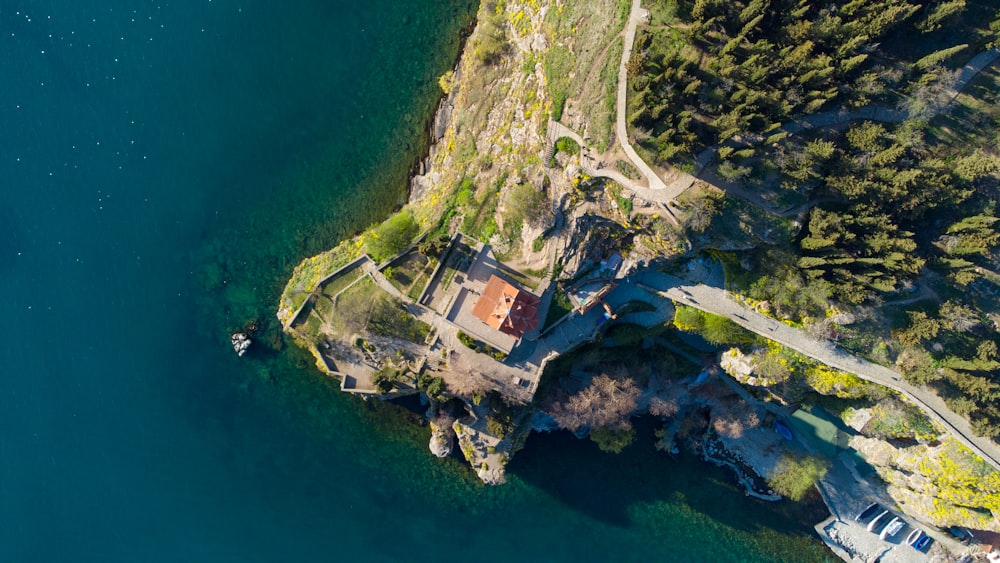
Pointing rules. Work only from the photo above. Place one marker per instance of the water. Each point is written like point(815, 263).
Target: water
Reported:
point(163, 165)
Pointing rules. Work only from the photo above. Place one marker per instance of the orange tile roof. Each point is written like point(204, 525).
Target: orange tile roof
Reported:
point(506, 308)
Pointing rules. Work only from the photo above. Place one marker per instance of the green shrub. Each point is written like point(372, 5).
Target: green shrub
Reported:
point(432, 386)
point(385, 379)
point(480, 347)
point(392, 236)
point(612, 441)
point(793, 477)
point(496, 427)
point(467, 340)
point(567, 145)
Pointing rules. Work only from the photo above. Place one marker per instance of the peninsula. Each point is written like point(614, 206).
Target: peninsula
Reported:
point(770, 224)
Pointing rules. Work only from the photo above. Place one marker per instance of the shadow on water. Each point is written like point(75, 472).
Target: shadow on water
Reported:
point(565, 467)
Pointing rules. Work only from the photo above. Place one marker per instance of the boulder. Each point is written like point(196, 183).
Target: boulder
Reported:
point(241, 342)
point(442, 440)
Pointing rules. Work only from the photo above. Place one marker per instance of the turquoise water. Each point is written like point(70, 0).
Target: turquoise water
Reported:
point(163, 166)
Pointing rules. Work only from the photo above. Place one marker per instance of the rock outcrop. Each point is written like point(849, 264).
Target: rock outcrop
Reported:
point(442, 440)
point(937, 483)
point(241, 342)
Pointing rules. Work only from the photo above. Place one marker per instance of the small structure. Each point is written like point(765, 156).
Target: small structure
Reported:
point(589, 293)
point(507, 308)
point(611, 264)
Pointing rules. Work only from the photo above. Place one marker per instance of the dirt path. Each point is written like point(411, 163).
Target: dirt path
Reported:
point(658, 190)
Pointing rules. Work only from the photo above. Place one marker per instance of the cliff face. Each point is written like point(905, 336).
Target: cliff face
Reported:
point(942, 483)
point(526, 62)
point(489, 131)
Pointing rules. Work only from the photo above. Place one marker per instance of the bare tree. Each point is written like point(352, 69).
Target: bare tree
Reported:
point(733, 421)
point(462, 379)
point(659, 406)
point(607, 402)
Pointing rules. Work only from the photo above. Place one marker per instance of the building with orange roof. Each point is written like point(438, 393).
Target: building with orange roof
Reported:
point(506, 308)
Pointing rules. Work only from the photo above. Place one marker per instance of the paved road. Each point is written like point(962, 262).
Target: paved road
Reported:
point(716, 300)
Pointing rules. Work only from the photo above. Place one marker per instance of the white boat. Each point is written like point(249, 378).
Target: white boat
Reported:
point(892, 529)
point(875, 521)
point(914, 536)
point(868, 511)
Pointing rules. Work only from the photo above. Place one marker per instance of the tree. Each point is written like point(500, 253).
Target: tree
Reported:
point(527, 205)
point(794, 476)
point(659, 406)
point(703, 210)
point(385, 379)
point(613, 440)
point(392, 236)
point(941, 13)
point(921, 328)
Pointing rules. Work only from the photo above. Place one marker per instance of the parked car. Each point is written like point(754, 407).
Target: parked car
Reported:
point(961, 534)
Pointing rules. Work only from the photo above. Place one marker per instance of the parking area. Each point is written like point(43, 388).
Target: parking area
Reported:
point(847, 497)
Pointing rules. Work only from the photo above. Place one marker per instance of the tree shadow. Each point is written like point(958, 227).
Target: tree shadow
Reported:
point(604, 486)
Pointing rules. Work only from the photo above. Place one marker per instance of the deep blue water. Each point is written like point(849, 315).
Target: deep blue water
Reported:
point(163, 165)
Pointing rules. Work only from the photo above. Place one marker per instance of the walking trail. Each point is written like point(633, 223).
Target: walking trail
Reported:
point(658, 190)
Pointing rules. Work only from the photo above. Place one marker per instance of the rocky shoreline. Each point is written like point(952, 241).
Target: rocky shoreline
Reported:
point(755, 486)
point(728, 430)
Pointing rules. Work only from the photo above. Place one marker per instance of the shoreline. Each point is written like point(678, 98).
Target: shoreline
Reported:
point(439, 120)
point(418, 187)
point(424, 178)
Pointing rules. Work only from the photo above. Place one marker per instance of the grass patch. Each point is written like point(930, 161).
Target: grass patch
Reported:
point(323, 307)
point(337, 284)
point(557, 65)
point(559, 307)
point(713, 328)
point(410, 272)
point(389, 318)
point(352, 307)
